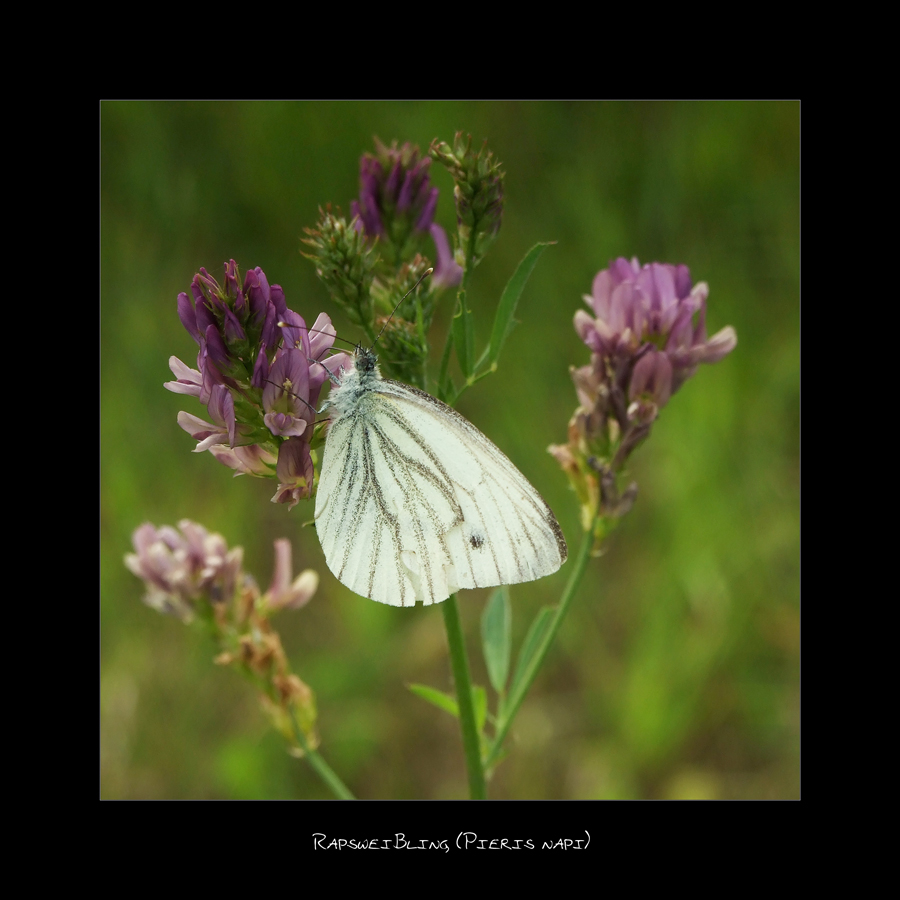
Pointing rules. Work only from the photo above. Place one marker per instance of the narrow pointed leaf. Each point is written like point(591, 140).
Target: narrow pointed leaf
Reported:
point(445, 385)
point(531, 643)
point(438, 698)
point(501, 755)
point(504, 321)
point(496, 637)
point(479, 701)
point(463, 337)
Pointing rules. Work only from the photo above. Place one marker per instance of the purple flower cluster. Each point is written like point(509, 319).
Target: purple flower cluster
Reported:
point(397, 201)
point(259, 372)
point(395, 191)
point(178, 568)
point(648, 333)
point(190, 573)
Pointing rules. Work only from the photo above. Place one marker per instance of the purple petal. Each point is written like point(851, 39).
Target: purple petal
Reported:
point(392, 185)
point(255, 282)
point(404, 198)
point(321, 336)
point(657, 282)
point(302, 590)
point(252, 460)
point(217, 353)
point(143, 537)
point(370, 174)
point(719, 345)
point(260, 368)
point(622, 270)
point(221, 409)
point(447, 273)
point(698, 297)
point(682, 281)
point(620, 313)
point(284, 424)
point(197, 428)
point(356, 216)
point(270, 333)
point(277, 296)
point(188, 381)
point(287, 389)
point(595, 333)
point(328, 369)
point(294, 471)
point(602, 290)
point(584, 325)
point(188, 316)
point(652, 375)
point(294, 332)
point(204, 314)
point(233, 330)
point(423, 223)
point(233, 288)
point(681, 333)
point(281, 577)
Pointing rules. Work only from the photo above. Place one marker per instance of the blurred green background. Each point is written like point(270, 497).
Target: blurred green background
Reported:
point(677, 672)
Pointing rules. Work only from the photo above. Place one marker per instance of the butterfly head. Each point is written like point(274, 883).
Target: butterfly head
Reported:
point(366, 362)
point(354, 382)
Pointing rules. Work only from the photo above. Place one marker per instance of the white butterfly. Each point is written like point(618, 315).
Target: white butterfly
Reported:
point(414, 502)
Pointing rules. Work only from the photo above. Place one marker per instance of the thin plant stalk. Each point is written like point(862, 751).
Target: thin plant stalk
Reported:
point(463, 684)
point(321, 768)
point(458, 659)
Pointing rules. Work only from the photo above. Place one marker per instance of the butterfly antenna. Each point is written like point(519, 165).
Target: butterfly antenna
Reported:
point(283, 324)
point(292, 393)
point(331, 376)
point(423, 276)
point(298, 397)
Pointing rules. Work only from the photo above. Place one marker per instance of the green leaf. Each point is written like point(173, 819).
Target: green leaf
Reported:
point(531, 643)
point(438, 698)
point(479, 701)
point(504, 321)
point(501, 755)
point(496, 637)
point(444, 383)
point(463, 335)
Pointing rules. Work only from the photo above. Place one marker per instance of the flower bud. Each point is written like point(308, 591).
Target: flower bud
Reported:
point(478, 193)
point(345, 263)
point(396, 199)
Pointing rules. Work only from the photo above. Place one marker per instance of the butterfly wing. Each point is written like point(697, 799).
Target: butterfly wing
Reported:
point(414, 503)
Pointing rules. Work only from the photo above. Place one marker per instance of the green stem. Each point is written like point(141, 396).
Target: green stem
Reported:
point(511, 707)
point(460, 663)
point(323, 770)
point(443, 382)
point(444, 389)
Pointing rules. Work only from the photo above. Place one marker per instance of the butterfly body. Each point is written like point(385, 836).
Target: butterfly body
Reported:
point(414, 502)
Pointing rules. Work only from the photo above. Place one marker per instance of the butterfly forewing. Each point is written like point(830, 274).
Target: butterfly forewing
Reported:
point(414, 502)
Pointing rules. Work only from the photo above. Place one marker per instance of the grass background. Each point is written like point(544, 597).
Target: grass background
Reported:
point(677, 671)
